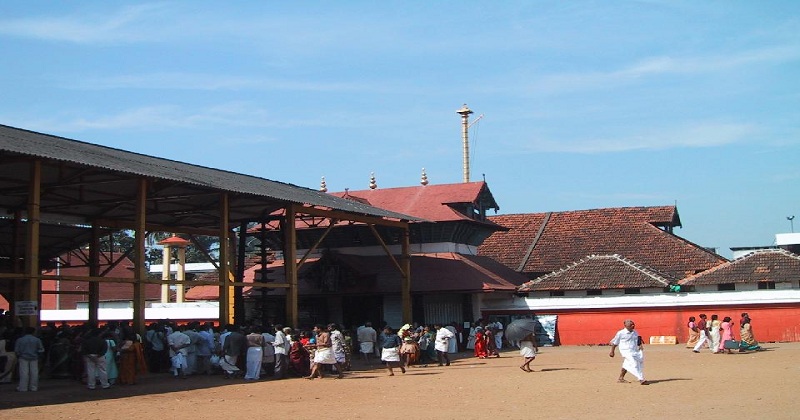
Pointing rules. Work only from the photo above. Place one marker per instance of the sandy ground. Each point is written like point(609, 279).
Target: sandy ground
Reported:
point(568, 382)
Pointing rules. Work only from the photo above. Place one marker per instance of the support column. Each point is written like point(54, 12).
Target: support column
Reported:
point(225, 292)
point(290, 265)
point(238, 291)
point(180, 275)
point(166, 271)
point(405, 262)
point(94, 271)
point(31, 287)
point(140, 269)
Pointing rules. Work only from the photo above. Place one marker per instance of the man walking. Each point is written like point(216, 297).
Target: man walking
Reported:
point(630, 348)
point(366, 339)
point(443, 337)
point(702, 327)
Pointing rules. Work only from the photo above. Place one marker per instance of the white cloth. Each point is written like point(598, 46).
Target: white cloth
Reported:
point(28, 375)
point(367, 335)
point(324, 356)
point(178, 340)
point(526, 349)
point(367, 347)
point(471, 339)
point(95, 370)
point(280, 343)
point(390, 355)
point(228, 364)
point(179, 362)
point(254, 355)
point(443, 337)
point(633, 358)
point(452, 344)
point(701, 341)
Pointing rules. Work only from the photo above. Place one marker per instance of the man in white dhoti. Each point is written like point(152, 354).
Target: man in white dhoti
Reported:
point(630, 348)
point(366, 339)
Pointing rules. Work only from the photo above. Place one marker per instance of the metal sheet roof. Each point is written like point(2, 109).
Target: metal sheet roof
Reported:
point(29, 143)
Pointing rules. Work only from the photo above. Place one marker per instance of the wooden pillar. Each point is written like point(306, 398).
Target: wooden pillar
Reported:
point(405, 262)
point(140, 269)
point(238, 291)
point(225, 295)
point(290, 264)
point(94, 271)
point(32, 277)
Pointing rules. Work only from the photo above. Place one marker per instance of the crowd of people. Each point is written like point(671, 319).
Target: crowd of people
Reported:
point(718, 335)
point(114, 354)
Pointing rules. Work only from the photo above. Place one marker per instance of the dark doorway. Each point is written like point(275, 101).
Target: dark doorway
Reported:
point(359, 309)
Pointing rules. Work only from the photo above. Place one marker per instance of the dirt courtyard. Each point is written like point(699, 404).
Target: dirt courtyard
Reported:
point(568, 382)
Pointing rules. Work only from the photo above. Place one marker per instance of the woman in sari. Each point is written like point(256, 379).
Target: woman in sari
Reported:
point(111, 358)
point(714, 334)
point(727, 333)
point(131, 359)
point(748, 342)
point(299, 357)
point(490, 343)
point(694, 333)
point(408, 348)
point(480, 343)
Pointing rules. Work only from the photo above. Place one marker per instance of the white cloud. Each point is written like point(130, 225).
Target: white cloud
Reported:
point(125, 25)
point(207, 82)
point(665, 65)
point(695, 136)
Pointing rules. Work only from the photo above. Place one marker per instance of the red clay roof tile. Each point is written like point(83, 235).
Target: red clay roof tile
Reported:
point(597, 272)
point(775, 265)
point(569, 236)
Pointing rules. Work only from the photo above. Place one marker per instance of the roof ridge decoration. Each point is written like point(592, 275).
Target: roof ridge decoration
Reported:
point(654, 274)
point(767, 251)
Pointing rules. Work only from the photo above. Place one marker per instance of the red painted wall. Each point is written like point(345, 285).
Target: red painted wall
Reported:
point(770, 323)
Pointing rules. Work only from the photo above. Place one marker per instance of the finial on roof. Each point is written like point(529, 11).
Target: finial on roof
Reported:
point(424, 179)
point(323, 186)
point(372, 183)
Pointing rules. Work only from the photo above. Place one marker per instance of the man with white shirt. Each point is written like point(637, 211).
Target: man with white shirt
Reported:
point(443, 338)
point(630, 348)
point(179, 343)
point(366, 339)
point(281, 345)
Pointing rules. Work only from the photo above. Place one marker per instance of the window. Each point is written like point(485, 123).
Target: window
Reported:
point(726, 286)
point(633, 291)
point(557, 293)
point(766, 285)
point(594, 292)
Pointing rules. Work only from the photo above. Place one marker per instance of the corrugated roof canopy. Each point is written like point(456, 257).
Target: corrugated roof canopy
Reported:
point(85, 184)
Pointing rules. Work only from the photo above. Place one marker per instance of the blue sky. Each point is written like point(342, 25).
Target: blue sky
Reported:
point(586, 104)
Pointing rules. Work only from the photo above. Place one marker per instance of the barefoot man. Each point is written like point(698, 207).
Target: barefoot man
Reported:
point(630, 348)
point(528, 349)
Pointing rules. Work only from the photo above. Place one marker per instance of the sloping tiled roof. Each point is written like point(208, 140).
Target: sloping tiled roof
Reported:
point(775, 265)
point(429, 202)
point(540, 243)
point(599, 272)
point(430, 272)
